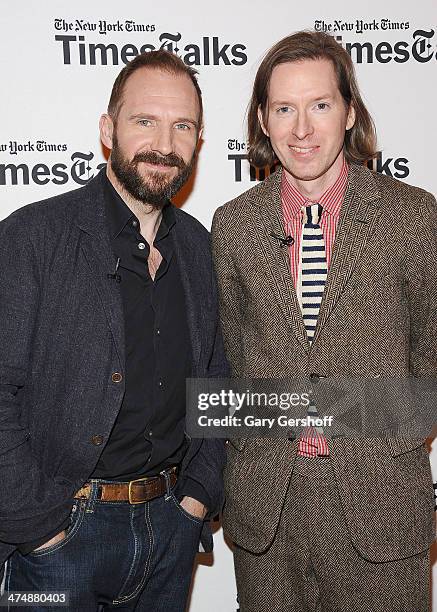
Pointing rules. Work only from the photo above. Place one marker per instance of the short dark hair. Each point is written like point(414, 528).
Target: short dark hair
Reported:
point(360, 140)
point(158, 60)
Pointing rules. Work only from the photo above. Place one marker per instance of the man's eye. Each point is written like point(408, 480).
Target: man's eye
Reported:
point(282, 110)
point(322, 106)
point(145, 122)
point(182, 126)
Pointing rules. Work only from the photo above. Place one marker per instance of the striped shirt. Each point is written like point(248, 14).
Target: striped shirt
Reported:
point(312, 443)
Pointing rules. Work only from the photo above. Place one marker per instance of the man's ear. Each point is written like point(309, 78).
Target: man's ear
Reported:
point(261, 122)
point(351, 116)
point(106, 127)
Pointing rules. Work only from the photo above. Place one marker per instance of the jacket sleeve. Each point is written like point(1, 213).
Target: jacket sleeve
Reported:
point(421, 263)
point(31, 504)
point(206, 467)
point(229, 292)
point(421, 273)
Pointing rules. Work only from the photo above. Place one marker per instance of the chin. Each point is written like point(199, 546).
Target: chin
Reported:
point(308, 174)
point(303, 176)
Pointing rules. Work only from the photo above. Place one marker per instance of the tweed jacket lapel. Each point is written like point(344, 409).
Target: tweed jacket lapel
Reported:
point(358, 218)
point(267, 218)
point(99, 255)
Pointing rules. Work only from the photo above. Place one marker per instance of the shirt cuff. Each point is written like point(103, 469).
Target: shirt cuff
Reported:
point(27, 547)
point(194, 489)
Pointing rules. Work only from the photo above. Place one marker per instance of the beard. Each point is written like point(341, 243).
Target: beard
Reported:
point(156, 188)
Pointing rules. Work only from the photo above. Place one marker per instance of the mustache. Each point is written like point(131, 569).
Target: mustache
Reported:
point(151, 157)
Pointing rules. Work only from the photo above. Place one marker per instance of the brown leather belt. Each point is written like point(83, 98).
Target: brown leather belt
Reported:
point(135, 492)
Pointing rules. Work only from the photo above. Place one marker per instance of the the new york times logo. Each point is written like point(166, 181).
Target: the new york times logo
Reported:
point(210, 51)
point(397, 167)
point(422, 49)
point(79, 171)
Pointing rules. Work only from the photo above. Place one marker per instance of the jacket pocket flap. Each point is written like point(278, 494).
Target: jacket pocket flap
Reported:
point(403, 444)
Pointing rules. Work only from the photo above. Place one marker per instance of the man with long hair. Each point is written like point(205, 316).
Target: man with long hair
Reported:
point(326, 523)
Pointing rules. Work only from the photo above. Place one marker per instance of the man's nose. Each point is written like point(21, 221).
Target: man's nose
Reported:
point(163, 141)
point(303, 126)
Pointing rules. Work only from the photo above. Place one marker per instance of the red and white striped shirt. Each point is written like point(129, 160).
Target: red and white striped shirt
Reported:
point(312, 443)
point(293, 202)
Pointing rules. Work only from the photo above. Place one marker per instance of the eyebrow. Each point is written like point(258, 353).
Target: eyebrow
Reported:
point(285, 102)
point(187, 120)
point(156, 118)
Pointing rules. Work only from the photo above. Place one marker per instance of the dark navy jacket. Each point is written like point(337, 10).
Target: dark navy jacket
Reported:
point(61, 340)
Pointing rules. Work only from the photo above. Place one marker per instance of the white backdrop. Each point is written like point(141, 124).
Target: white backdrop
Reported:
point(60, 60)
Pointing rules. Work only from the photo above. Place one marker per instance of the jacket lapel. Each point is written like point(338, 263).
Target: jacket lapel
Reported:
point(358, 218)
point(267, 219)
point(188, 264)
point(100, 258)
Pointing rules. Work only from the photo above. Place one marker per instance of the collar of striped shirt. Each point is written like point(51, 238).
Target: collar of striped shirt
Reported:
point(331, 200)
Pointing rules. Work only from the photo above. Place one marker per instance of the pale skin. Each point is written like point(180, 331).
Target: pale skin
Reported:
point(306, 121)
point(160, 113)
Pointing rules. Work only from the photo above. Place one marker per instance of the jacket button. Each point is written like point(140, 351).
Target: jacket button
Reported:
point(116, 377)
point(97, 440)
point(315, 377)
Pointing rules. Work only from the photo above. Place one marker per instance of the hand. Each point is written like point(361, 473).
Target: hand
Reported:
point(57, 538)
point(194, 507)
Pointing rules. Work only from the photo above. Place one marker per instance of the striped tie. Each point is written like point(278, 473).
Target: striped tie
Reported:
point(313, 269)
point(312, 273)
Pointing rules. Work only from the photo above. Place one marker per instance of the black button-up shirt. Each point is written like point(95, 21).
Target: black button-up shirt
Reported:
point(149, 433)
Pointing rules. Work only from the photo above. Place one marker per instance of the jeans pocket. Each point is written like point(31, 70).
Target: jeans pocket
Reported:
point(193, 519)
point(76, 517)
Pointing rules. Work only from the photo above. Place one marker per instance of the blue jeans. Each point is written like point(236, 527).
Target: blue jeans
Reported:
point(115, 556)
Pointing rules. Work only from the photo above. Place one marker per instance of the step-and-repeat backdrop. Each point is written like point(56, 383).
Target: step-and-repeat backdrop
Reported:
point(59, 60)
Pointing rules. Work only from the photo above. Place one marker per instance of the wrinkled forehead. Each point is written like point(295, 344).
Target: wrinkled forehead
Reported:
point(160, 89)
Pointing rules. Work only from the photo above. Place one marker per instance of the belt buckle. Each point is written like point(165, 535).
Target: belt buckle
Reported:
point(135, 503)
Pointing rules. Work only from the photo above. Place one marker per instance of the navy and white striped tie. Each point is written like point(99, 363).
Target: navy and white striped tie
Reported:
point(313, 269)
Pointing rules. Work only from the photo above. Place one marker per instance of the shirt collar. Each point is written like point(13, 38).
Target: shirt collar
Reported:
point(119, 214)
point(293, 201)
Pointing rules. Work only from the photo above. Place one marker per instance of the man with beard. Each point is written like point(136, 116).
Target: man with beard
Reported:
point(108, 305)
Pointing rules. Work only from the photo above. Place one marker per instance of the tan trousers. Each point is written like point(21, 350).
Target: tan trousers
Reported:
point(312, 566)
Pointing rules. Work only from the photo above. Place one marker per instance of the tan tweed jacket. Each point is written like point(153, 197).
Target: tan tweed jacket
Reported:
point(378, 317)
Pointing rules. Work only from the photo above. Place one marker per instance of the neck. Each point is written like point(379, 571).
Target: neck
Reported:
point(148, 216)
point(313, 190)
